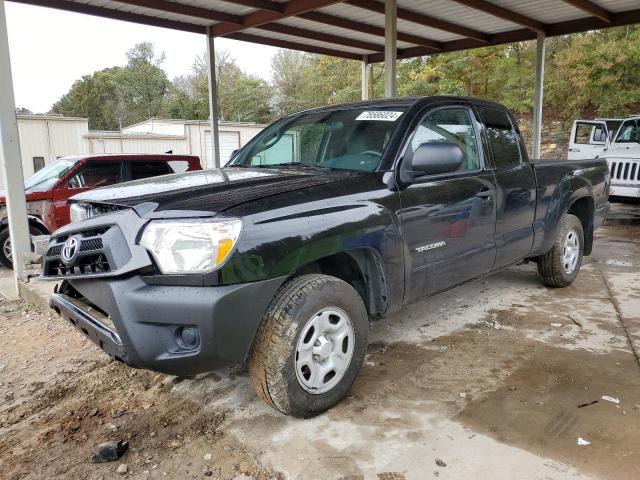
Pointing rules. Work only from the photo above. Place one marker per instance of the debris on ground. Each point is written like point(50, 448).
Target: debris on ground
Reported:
point(109, 451)
point(440, 463)
point(122, 469)
point(611, 399)
point(582, 442)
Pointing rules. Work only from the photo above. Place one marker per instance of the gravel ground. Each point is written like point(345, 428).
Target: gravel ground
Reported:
point(497, 379)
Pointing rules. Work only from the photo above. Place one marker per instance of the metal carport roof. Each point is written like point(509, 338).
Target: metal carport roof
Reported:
point(353, 28)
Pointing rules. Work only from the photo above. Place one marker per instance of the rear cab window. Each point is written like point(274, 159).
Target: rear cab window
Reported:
point(503, 139)
point(148, 169)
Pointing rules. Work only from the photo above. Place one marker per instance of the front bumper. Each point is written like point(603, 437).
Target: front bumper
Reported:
point(142, 325)
point(625, 191)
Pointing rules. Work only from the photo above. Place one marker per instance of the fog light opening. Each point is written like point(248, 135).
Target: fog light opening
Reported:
point(188, 337)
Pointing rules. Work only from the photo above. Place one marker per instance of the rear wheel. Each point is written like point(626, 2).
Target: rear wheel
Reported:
point(310, 345)
point(5, 245)
point(559, 267)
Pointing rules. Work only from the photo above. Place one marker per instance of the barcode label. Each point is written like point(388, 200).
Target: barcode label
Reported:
point(379, 115)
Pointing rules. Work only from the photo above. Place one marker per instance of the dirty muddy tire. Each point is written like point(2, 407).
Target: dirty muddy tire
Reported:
point(310, 345)
point(5, 245)
point(559, 267)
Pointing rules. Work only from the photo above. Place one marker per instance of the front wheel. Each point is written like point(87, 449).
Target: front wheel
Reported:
point(310, 345)
point(559, 267)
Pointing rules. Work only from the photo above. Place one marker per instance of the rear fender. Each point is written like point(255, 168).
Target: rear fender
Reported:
point(572, 188)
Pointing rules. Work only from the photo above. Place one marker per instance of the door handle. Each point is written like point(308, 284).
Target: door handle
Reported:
point(486, 193)
point(574, 149)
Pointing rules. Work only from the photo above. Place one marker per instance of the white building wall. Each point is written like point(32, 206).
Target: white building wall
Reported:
point(52, 137)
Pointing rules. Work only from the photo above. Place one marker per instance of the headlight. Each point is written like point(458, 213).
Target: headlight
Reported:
point(190, 246)
point(78, 212)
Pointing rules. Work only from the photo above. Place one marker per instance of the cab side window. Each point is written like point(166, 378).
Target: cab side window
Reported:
point(96, 174)
point(450, 125)
point(140, 170)
point(502, 137)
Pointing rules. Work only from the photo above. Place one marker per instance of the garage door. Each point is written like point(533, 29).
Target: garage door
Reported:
point(229, 141)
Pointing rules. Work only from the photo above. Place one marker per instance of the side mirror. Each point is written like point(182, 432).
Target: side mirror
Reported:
point(436, 158)
point(233, 153)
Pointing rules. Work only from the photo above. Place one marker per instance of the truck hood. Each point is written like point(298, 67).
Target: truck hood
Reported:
point(210, 191)
point(31, 196)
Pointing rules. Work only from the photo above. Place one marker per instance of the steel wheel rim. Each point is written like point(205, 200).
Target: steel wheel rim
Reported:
point(6, 248)
point(570, 252)
point(324, 350)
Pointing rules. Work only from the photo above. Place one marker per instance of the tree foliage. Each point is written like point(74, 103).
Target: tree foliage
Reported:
point(587, 74)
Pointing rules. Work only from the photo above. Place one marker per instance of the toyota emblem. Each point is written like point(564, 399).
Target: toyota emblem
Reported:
point(69, 250)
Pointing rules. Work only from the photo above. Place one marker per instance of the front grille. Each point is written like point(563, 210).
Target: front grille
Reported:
point(92, 244)
point(94, 232)
point(89, 264)
point(625, 171)
point(92, 258)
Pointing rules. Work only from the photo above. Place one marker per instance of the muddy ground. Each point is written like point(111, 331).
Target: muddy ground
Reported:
point(494, 380)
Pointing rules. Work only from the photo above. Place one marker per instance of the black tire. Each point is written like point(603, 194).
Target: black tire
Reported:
point(551, 265)
point(272, 362)
point(4, 236)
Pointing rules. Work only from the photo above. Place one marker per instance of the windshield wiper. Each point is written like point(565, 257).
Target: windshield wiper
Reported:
point(299, 164)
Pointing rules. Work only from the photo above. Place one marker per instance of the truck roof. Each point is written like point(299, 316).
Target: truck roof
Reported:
point(409, 101)
point(131, 157)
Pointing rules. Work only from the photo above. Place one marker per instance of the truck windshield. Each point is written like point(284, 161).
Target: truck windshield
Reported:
point(629, 132)
point(347, 139)
point(46, 178)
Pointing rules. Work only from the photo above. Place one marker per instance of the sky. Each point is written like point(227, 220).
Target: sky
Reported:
point(50, 49)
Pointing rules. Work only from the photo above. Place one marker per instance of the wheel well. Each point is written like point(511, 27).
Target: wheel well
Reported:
point(39, 226)
point(583, 209)
point(362, 269)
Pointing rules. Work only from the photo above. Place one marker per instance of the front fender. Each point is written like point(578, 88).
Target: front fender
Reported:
point(279, 243)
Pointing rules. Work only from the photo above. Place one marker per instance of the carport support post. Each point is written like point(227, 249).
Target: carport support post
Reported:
point(365, 77)
point(390, 47)
point(213, 102)
point(538, 98)
point(11, 161)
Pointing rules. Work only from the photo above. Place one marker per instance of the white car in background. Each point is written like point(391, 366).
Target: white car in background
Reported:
point(617, 141)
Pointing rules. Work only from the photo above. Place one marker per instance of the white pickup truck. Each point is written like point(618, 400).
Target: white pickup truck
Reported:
point(617, 141)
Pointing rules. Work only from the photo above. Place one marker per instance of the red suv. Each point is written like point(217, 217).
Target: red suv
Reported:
point(49, 189)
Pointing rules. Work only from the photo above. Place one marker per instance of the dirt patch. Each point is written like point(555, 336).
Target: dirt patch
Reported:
point(50, 421)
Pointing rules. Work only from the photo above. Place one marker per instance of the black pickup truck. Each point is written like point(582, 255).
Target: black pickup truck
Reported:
point(327, 219)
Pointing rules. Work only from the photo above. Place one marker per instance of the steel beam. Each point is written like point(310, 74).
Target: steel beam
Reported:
point(538, 97)
point(214, 159)
point(591, 8)
point(365, 77)
point(11, 160)
point(504, 14)
point(390, 47)
point(276, 42)
point(261, 17)
point(424, 20)
point(347, 24)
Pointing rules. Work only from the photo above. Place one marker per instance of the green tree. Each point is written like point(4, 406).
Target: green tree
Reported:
point(94, 97)
point(241, 97)
point(143, 84)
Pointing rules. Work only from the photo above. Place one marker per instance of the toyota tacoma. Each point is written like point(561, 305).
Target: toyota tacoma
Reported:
point(326, 220)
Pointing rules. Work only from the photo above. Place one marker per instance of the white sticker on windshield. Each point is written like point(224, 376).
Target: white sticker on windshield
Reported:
point(379, 115)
